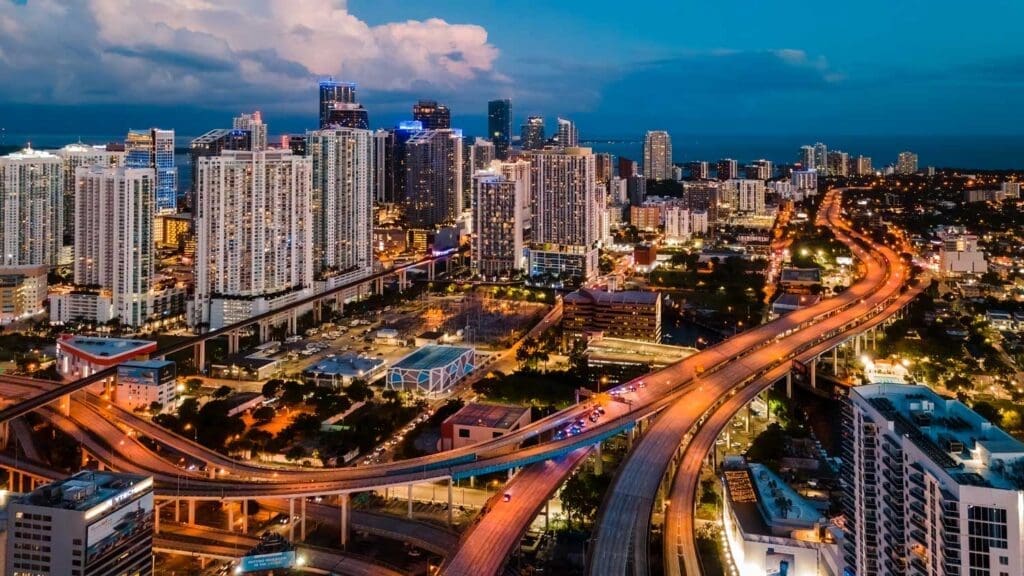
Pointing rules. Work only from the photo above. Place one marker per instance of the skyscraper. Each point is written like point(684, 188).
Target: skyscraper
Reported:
point(727, 169)
point(658, 155)
point(603, 166)
point(499, 126)
point(567, 135)
point(838, 164)
point(31, 196)
point(343, 185)
point(154, 148)
point(699, 170)
point(253, 124)
point(806, 158)
point(531, 134)
point(114, 242)
point(338, 106)
point(864, 167)
point(72, 156)
point(906, 163)
point(929, 485)
point(254, 233)
point(821, 158)
point(433, 178)
point(432, 115)
point(627, 167)
point(500, 218)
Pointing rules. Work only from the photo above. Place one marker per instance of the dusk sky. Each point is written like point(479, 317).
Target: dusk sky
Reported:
point(870, 67)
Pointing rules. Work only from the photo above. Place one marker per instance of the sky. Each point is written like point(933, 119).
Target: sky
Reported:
point(722, 67)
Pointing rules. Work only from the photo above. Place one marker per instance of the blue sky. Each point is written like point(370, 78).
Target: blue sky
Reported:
point(870, 67)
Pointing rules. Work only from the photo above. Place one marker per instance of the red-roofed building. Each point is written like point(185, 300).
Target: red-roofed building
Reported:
point(81, 356)
point(476, 423)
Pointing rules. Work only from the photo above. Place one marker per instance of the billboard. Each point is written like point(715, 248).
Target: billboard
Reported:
point(106, 534)
point(274, 561)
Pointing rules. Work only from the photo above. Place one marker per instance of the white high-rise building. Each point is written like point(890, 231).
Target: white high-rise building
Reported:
point(863, 166)
point(699, 222)
point(906, 163)
point(658, 155)
point(931, 487)
point(821, 158)
point(677, 223)
point(433, 178)
point(744, 195)
point(114, 244)
point(806, 158)
point(257, 129)
point(567, 136)
point(31, 208)
point(805, 181)
point(500, 209)
point(72, 156)
point(343, 189)
point(254, 227)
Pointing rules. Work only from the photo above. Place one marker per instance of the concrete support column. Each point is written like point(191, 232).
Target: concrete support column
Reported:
point(379, 284)
point(177, 511)
point(511, 473)
point(318, 312)
point(430, 270)
point(409, 513)
point(856, 345)
point(302, 520)
point(293, 322)
point(547, 515)
point(835, 361)
point(245, 516)
point(814, 373)
point(789, 385)
point(65, 405)
point(234, 340)
point(344, 519)
point(264, 331)
point(156, 520)
point(450, 481)
point(211, 471)
point(199, 355)
point(231, 518)
point(5, 434)
point(291, 519)
point(403, 280)
point(598, 461)
point(191, 512)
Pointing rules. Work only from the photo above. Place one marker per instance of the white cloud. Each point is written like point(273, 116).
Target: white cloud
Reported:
point(224, 51)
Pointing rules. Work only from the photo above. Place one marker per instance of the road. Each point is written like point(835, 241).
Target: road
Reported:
point(620, 540)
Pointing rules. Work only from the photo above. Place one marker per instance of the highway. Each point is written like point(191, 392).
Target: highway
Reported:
point(620, 540)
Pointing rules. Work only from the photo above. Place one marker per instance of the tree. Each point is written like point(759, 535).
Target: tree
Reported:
point(222, 392)
point(582, 496)
point(271, 388)
point(358, 390)
point(292, 393)
point(193, 384)
point(987, 411)
point(264, 414)
point(155, 407)
point(188, 409)
point(295, 453)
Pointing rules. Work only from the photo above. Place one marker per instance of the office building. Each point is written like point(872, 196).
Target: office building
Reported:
point(727, 169)
point(72, 156)
point(500, 207)
point(499, 126)
point(338, 106)
point(906, 163)
point(930, 487)
point(253, 124)
point(699, 170)
point(89, 524)
point(141, 384)
point(531, 134)
point(114, 241)
point(432, 115)
point(475, 423)
point(806, 158)
point(154, 148)
point(342, 200)
point(22, 292)
point(631, 315)
point(863, 166)
point(247, 265)
point(821, 158)
point(658, 155)
point(433, 178)
point(394, 159)
point(31, 206)
point(567, 136)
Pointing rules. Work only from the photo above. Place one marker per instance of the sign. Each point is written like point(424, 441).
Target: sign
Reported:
point(260, 562)
point(106, 534)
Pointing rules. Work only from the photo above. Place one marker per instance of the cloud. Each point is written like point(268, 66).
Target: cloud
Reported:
point(226, 53)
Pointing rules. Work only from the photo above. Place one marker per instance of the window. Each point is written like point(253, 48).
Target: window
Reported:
point(463, 432)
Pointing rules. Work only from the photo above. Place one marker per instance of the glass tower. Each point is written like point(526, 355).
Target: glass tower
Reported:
point(499, 126)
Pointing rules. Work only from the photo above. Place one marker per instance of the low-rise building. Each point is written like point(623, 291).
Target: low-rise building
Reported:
point(432, 370)
point(645, 217)
point(339, 371)
point(632, 315)
point(476, 423)
point(22, 292)
point(142, 383)
point(799, 279)
point(960, 254)
point(81, 356)
point(788, 302)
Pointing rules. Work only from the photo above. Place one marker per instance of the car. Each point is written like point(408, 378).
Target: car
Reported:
point(507, 497)
point(642, 384)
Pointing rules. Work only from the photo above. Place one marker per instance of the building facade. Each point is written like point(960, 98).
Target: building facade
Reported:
point(31, 206)
point(433, 178)
point(22, 292)
point(531, 134)
point(499, 126)
point(72, 156)
point(630, 315)
point(142, 383)
point(658, 155)
point(567, 136)
point(434, 116)
point(500, 219)
point(154, 148)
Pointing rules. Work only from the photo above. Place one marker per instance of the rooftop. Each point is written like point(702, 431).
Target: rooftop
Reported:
point(85, 490)
point(584, 295)
point(147, 363)
point(349, 364)
point(487, 416)
point(972, 450)
point(801, 275)
point(107, 347)
point(796, 300)
point(432, 356)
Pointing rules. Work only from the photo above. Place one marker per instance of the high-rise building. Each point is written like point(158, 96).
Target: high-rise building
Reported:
point(838, 164)
point(31, 206)
point(745, 195)
point(72, 156)
point(759, 170)
point(499, 126)
point(821, 158)
point(500, 219)
point(254, 234)
point(863, 166)
point(531, 134)
point(342, 200)
point(930, 486)
point(727, 169)
point(636, 189)
point(806, 158)
point(338, 106)
point(114, 242)
point(394, 159)
point(699, 170)
point(677, 222)
point(603, 167)
point(213, 143)
point(658, 155)
point(906, 163)
point(154, 148)
point(805, 181)
point(564, 205)
point(433, 178)
point(432, 115)
point(90, 524)
point(627, 167)
point(567, 136)
point(253, 124)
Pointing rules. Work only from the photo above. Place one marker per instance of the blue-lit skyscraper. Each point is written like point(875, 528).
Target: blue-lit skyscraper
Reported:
point(499, 126)
point(154, 148)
